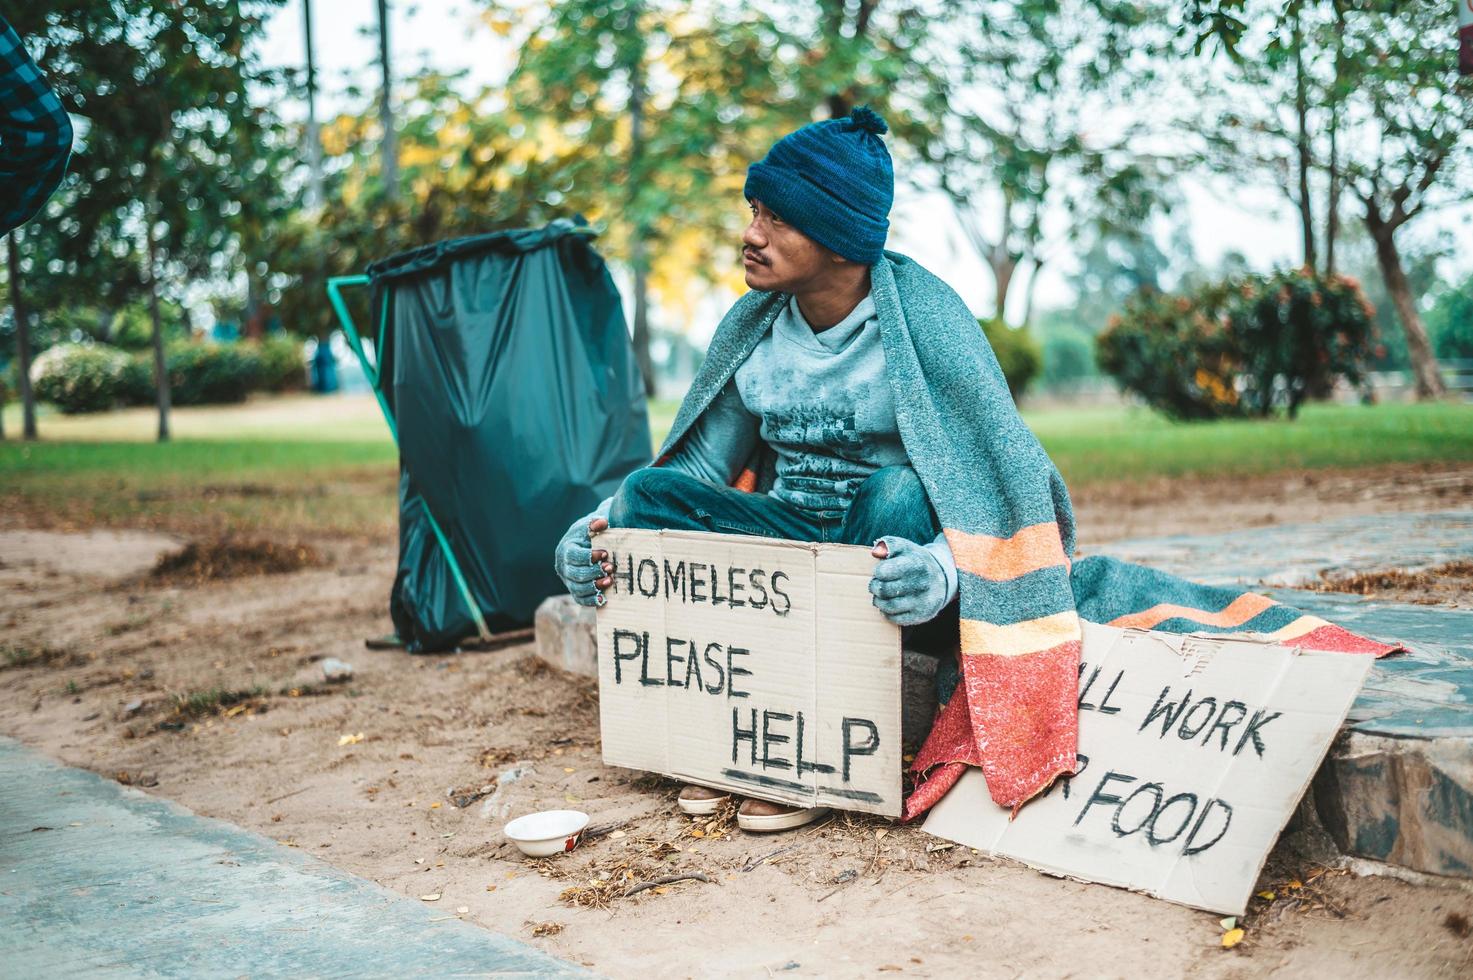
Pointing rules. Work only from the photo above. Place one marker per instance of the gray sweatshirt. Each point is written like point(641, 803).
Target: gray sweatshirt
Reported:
point(821, 400)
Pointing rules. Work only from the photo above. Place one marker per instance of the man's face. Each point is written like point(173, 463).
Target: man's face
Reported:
point(780, 258)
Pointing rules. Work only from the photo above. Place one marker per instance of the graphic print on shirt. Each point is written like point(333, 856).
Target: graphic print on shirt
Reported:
point(826, 414)
point(828, 425)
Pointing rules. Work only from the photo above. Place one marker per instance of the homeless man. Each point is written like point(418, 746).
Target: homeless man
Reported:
point(813, 394)
point(850, 396)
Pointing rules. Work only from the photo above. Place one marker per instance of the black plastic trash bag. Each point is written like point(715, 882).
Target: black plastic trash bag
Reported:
point(505, 364)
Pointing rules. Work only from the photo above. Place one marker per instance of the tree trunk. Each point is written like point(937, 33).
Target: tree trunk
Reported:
point(314, 138)
point(253, 325)
point(1424, 365)
point(638, 250)
point(1030, 292)
point(1003, 266)
point(390, 146)
point(1301, 142)
point(1332, 206)
point(160, 366)
point(22, 341)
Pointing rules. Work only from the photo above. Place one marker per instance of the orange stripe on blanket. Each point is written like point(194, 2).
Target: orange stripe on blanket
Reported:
point(1237, 612)
point(1000, 559)
point(1029, 636)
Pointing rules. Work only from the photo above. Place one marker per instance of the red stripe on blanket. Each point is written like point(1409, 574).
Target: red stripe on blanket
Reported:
point(1016, 717)
point(1335, 639)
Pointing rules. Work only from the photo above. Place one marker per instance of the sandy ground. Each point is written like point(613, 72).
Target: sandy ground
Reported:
point(212, 694)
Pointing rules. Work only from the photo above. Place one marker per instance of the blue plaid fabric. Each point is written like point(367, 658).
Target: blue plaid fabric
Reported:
point(35, 134)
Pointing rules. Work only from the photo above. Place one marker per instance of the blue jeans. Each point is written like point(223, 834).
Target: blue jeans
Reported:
point(890, 501)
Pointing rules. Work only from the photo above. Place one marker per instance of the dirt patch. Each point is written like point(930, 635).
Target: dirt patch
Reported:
point(1160, 507)
point(228, 558)
point(94, 553)
point(13, 657)
point(406, 773)
point(1449, 584)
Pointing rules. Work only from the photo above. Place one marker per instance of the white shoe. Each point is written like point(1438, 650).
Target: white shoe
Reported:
point(763, 817)
point(701, 801)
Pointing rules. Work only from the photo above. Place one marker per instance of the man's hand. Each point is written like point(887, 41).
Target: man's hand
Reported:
point(909, 586)
point(583, 570)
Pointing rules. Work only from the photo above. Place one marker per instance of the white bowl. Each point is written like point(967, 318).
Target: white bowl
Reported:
point(547, 832)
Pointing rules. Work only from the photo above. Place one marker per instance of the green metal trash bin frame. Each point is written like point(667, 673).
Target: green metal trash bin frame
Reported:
point(335, 287)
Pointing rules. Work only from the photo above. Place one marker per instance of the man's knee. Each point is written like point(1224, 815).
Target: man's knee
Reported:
point(644, 498)
point(892, 500)
point(893, 486)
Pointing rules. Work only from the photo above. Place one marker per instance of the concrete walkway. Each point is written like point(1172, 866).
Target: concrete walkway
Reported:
point(1292, 554)
point(99, 879)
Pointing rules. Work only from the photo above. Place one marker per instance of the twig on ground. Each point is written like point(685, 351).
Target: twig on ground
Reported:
point(284, 796)
point(758, 861)
point(667, 880)
point(603, 829)
point(834, 892)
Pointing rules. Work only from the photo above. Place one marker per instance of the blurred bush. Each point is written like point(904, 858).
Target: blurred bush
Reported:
point(212, 374)
point(79, 377)
point(1298, 333)
point(1248, 345)
point(97, 377)
point(135, 387)
point(1068, 356)
point(283, 364)
point(1017, 354)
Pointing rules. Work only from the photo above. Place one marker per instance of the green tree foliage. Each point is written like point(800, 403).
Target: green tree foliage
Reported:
point(719, 86)
point(169, 179)
point(1243, 346)
point(175, 114)
point(1416, 149)
point(464, 168)
point(1354, 104)
point(1013, 133)
point(1450, 322)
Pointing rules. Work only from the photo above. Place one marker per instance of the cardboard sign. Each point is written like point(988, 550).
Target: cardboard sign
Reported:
point(1194, 750)
point(750, 664)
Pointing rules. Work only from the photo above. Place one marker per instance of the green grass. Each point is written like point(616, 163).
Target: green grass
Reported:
point(288, 465)
point(299, 465)
point(1093, 445)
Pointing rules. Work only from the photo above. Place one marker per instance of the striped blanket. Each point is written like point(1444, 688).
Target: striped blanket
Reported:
point(1121, 594)
point(1007, 517)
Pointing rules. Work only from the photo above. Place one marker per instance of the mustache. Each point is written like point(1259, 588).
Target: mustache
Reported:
point(748, 253)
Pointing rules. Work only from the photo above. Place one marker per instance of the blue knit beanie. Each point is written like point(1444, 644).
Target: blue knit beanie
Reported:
point(831, 180)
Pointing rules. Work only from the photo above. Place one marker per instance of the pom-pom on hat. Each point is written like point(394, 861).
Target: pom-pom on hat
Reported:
point(833, 181)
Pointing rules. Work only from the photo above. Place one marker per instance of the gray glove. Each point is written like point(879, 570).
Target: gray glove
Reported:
point(575, 565)
point(909, 585)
